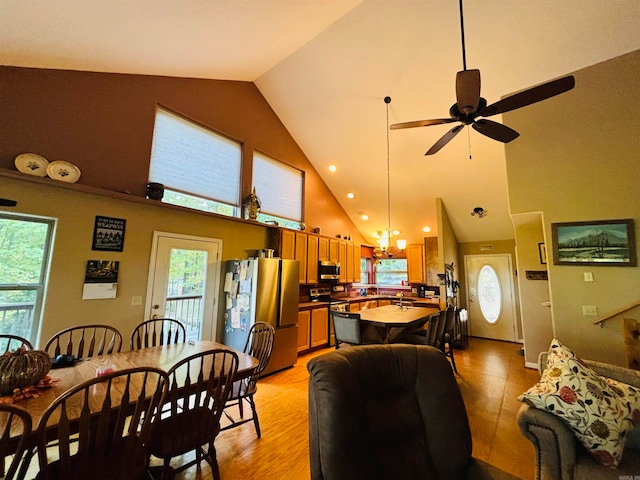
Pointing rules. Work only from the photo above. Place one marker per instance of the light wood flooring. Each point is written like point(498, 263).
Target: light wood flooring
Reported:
point(491, 376)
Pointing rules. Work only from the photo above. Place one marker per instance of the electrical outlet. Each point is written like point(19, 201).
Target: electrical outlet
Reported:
point(589, 311)
point(588, 277)
point(136, 300)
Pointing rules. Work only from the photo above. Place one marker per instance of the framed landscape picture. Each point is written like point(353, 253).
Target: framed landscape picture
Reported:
point(605, 242)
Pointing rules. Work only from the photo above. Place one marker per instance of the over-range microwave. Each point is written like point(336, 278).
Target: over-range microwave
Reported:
point(329, 270)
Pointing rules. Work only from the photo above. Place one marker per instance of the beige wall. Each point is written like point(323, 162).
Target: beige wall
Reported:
point(577, 160)
point(536, 318)
point(447, 245)
point(75, 214)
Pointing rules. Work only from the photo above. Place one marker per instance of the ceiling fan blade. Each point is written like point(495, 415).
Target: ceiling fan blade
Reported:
point(446, 138)
point(468, 90)
point(422, 123)
point(532, 95)
point(495, 130)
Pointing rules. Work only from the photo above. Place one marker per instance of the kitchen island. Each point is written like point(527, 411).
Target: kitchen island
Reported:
point(393, 322)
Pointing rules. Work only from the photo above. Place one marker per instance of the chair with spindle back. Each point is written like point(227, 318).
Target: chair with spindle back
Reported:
point(156, 332)
point(259, 344)
point(199, 388)
point(109, 419)
point(16, 422)
point(9, 343)
point(85, 341)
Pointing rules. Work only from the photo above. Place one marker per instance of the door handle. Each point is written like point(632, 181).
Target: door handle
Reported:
point(154, 317)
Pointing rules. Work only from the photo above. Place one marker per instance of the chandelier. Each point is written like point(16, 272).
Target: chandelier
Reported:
point(385, 237)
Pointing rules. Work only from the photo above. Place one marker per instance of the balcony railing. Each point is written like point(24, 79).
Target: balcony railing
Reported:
point(188, 310)
point(17, 319)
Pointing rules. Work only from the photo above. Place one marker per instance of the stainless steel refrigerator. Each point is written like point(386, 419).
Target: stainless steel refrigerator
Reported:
point(266, 290)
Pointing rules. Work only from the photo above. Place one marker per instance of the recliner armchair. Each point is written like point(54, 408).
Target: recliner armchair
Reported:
point(389, 412)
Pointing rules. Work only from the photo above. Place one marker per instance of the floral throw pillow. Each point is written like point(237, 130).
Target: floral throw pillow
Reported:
point(599, 411)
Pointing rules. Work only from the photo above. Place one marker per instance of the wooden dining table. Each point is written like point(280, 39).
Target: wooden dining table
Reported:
point(163, 357)
point(392, 322)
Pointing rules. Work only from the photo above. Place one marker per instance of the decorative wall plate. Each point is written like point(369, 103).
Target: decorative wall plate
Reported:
point(32, 164)
point(63, 171)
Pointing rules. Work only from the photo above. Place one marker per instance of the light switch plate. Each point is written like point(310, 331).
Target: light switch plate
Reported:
point(589, 311)
point(136, 300)
point(588, 277)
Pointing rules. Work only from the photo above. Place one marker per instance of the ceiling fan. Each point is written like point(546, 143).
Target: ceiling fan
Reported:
point(470, 105)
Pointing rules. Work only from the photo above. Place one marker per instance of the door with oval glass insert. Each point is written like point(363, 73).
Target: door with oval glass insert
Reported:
point(490, 296)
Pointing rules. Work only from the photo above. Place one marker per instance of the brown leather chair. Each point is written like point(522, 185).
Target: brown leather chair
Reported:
point(389, 412)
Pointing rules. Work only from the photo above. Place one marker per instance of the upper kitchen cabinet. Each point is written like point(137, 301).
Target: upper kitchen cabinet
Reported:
point(283, 242)
point(342, 259)
point(415, 263)
point(301, 254)
point(327, 249)
point(312, 258)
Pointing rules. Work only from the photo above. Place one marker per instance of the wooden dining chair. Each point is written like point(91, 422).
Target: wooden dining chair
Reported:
point(109, 419)
point(9, 343)
point(259, 344)
point(199, 388)
point(85, 341)
point(158, 331)
point(16, 422)
point(448, 335)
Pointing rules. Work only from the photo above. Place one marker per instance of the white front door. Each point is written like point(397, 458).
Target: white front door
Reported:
point(184, 275)
point(490, 296)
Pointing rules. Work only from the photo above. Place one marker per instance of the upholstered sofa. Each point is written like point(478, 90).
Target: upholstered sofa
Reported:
point(395, 412)
point(559, 454)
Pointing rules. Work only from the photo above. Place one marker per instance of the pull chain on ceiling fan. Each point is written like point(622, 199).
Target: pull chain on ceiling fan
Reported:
point(470, 105)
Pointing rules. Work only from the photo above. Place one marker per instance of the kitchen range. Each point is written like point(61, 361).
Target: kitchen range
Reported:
point(335, 304)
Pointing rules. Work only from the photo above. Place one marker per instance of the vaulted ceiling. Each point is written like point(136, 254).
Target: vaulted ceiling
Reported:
point(325, 68)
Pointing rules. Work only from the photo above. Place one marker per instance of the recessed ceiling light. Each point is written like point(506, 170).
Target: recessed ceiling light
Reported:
point(364, 216)
point(426, 229)
point(332, 168)
point(350, 195)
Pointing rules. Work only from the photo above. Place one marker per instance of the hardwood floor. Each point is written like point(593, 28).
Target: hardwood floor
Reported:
point(491, 376)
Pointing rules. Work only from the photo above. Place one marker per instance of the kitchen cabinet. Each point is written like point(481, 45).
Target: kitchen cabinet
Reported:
point(431, 261)
point(312, 258)
point(333, 249)
point(415, 263)
point(349, 260)
point(287, 244)
point(323, 249)
point(342, 259)
point(301, 254)
point(304, 330)
point(356, 262)
point(319, 327)
point(382, 303)
point(354, 306)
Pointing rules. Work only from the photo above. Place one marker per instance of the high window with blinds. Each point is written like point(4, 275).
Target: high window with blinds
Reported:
point(198, 167)
point(279, 188)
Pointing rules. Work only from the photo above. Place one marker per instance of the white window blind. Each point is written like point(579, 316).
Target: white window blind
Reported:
point(278, 186)
point(192, 159)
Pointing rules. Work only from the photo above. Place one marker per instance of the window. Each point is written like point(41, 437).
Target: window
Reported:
point(391, 271)
point(25, 245)
point(489, 294)
point(199, 168)
point(279, 188)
